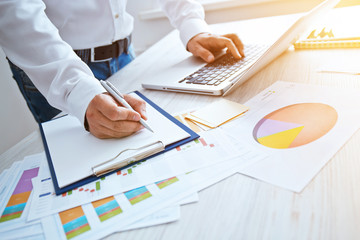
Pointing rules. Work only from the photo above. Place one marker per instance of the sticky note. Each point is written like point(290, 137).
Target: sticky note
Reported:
point(218, 113)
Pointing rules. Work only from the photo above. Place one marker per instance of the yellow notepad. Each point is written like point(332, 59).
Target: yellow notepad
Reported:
point(327, 44)
point(217, 113)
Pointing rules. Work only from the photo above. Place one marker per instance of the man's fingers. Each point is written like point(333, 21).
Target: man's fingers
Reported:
point(112, 111)
point(103, 127)
point(238, 43)
point(115, 129)
point(229, 44)
point(204, 54)
point(119, 128)
point(137, 104)
point(204, 44)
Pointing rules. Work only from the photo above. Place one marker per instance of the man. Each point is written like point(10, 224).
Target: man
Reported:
point(58, 49)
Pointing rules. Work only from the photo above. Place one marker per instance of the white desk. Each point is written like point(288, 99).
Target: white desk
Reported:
point(240, 207)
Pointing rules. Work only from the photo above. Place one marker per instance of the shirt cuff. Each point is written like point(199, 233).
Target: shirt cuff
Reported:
point(81, 95)
point(191, 28)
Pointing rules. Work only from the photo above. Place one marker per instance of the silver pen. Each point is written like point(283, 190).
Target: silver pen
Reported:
point(120, 98)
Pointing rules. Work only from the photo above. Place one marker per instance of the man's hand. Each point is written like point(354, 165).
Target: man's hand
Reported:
point(204, 45)
point(107, 119)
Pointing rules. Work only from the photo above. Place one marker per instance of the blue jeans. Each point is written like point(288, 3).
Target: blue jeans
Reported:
point(39, 106)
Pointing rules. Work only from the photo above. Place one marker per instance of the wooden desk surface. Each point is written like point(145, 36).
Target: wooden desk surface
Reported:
point(240, 207)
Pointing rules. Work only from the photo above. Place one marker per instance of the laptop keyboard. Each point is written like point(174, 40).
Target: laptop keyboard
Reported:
point(224, 67)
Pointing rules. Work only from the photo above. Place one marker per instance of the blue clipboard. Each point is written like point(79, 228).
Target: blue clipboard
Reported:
point(60, 191)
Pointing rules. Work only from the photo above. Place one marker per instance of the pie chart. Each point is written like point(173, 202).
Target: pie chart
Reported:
point(295, 125)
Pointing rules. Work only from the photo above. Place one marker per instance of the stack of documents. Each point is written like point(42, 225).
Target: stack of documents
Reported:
point(93, 211)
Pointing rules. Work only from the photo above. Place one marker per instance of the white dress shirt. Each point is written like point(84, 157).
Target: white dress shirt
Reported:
point(39, 37)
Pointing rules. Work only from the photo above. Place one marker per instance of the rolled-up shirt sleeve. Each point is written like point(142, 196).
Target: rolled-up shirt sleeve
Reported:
point(32, 42)
point(187, 16)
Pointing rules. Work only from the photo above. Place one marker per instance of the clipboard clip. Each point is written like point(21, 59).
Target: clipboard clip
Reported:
point(142, 152)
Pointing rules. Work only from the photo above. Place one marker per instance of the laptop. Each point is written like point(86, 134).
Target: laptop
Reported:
point(191, 75)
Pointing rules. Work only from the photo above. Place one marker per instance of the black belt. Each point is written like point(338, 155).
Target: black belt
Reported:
point(105, 53)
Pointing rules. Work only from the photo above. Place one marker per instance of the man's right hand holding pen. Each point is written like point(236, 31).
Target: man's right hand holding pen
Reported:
point(107, 119)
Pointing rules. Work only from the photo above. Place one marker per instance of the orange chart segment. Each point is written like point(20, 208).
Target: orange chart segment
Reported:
point(295, 125)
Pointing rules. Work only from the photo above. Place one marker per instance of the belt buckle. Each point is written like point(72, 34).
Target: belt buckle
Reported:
point(92, 56)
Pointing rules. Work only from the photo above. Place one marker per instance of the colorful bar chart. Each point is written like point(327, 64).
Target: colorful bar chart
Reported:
point(166, 182)
point(137, 195)
point(74, 222)
point(96, 187)
point(295, 125)
point(203, 142)
point(129, 170)
point(106, 208)
point(196, 143)
point(20, 196)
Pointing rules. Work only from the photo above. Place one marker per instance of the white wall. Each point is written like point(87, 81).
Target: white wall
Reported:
point(16, 120)
point(151, 25)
